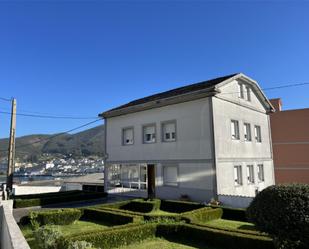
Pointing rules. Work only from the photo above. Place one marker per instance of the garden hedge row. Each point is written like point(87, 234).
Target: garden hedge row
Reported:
point(238, 214)
point(19, 203)
point(55, 217)
point(179, 206)
point(111, 217)
point(142, 206)
point(202, 214)
point(119, 236)
point(43, 195)
point(214, 237)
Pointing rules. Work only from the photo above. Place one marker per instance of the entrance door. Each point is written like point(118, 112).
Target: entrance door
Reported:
point(151, 181)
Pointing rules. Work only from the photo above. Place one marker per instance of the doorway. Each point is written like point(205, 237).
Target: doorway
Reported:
point(151, 181)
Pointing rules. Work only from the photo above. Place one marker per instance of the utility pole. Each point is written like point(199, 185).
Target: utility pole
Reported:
point(11, 152)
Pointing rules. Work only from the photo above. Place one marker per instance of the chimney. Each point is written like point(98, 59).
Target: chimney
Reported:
point(277, 104)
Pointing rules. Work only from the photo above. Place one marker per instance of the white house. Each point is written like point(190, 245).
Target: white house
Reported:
point(206, 140)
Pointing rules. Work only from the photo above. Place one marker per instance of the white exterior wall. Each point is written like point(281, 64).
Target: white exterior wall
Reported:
point(193, 134)
point(229, 152)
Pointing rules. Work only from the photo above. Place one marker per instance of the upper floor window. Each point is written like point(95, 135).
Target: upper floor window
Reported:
point(257, 134)
point(248, 93)
point(127, 136)
point(235, 129)
point(250, 174)
point(261, 172)
point(241, 90)
point(247, 131)
point(169, 131)
point(149, 133)
point(237, 175)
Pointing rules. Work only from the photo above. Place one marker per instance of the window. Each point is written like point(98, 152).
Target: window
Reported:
point(169, 131)
point(248, 93)
point(237, 175)
point(247, 132)
point(240, 90)
point(170, 175)
point(250, 174)
point(257, 134)
point(235, 129)
point(149, 134)
point(127, 136)
point(261, 172)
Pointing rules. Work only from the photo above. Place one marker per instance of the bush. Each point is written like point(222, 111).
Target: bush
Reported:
point(229, 213)
point(49, 238)
point(283, 212)
point(213, 237)
point(110, 217)
point(118, 237)
point(54, 217)
point(43, 195)
point(179, 206)
point(80, 245)
point(68, 197)
point(142, 206)
point(203, 214)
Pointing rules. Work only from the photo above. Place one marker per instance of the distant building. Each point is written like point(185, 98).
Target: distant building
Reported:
point(206, 140)
point(290, 138)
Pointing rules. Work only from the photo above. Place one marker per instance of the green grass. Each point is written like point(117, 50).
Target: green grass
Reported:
point(231, 225)
point(161, 212)
point(158, 243)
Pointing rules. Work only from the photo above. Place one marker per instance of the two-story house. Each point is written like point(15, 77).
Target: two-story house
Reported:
point(206, 140)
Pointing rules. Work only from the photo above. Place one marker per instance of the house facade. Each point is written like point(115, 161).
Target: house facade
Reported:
point(202, 141)
point(290, 137)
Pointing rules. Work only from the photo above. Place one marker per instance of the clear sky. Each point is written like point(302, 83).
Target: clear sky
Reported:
point(80, 58)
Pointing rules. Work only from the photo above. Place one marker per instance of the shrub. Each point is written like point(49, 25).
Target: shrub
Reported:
point(203, 214)
point(111, 217)
point(283, 212)
point(118, 237)
point(43, 195)
point(179, 206)
point(213, 237)
point(141, 206)
point(49, 238)
point(229, 213)
point(54, 217)
point(80, 245)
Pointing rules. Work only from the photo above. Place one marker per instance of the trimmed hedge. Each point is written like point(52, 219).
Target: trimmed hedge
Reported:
point(238, 214)
point(179, 206)
point(43, 195)
point(203, 214)
point(20, 203)
point(55, 217)
point(110, 217)
point(121, 236)
point(142, 206)
point(214, 237)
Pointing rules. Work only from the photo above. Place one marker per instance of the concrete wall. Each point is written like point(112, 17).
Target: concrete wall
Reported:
point(231, 152)
point(193, 134)
point(26, 190)
point(11, 237)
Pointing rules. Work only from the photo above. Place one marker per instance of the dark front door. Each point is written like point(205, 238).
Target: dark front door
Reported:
point(151, 181)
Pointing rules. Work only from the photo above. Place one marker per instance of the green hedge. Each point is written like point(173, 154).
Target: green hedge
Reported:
point(202, 214)
point(229, 213)
point(55, 217)
point(19, 203)
point(213, 237)
point(179, 206)
point(121, 236)
point(142, 206)
point(43, 195)
point(110, 217)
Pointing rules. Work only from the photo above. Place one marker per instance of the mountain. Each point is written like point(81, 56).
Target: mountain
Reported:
point(85, 143)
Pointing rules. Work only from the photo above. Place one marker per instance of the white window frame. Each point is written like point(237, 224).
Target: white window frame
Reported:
point(258, 134)
point(235, 129)
point(153, 135)
point(247, 132)
point(238, 175)
point(170, 183)
point(123, 135)
point(261, 173)
point(163, 124)
point(241, 91)
point(250, 174)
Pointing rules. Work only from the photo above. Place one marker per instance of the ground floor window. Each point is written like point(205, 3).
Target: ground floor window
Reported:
point(170, 175)
point(237, 175)
point(261, 172)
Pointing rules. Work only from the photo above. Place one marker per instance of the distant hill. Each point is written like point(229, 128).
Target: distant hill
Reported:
point(85, 143)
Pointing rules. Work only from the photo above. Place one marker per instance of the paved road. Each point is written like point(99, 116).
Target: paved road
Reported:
point(21, 212)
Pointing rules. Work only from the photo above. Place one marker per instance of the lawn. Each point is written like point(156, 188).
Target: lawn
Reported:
point(230, 225)
point(156, 243)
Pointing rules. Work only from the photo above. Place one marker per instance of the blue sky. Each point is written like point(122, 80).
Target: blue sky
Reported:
point(81, 58)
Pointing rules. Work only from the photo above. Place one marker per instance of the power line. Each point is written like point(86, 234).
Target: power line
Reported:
point(56, 135)
point(5, 99)
point(47, 116)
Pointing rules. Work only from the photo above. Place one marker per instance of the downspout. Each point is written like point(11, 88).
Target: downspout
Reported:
point(105, 157)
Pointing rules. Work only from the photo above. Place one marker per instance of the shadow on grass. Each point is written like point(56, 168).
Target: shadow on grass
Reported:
point(188, 242)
